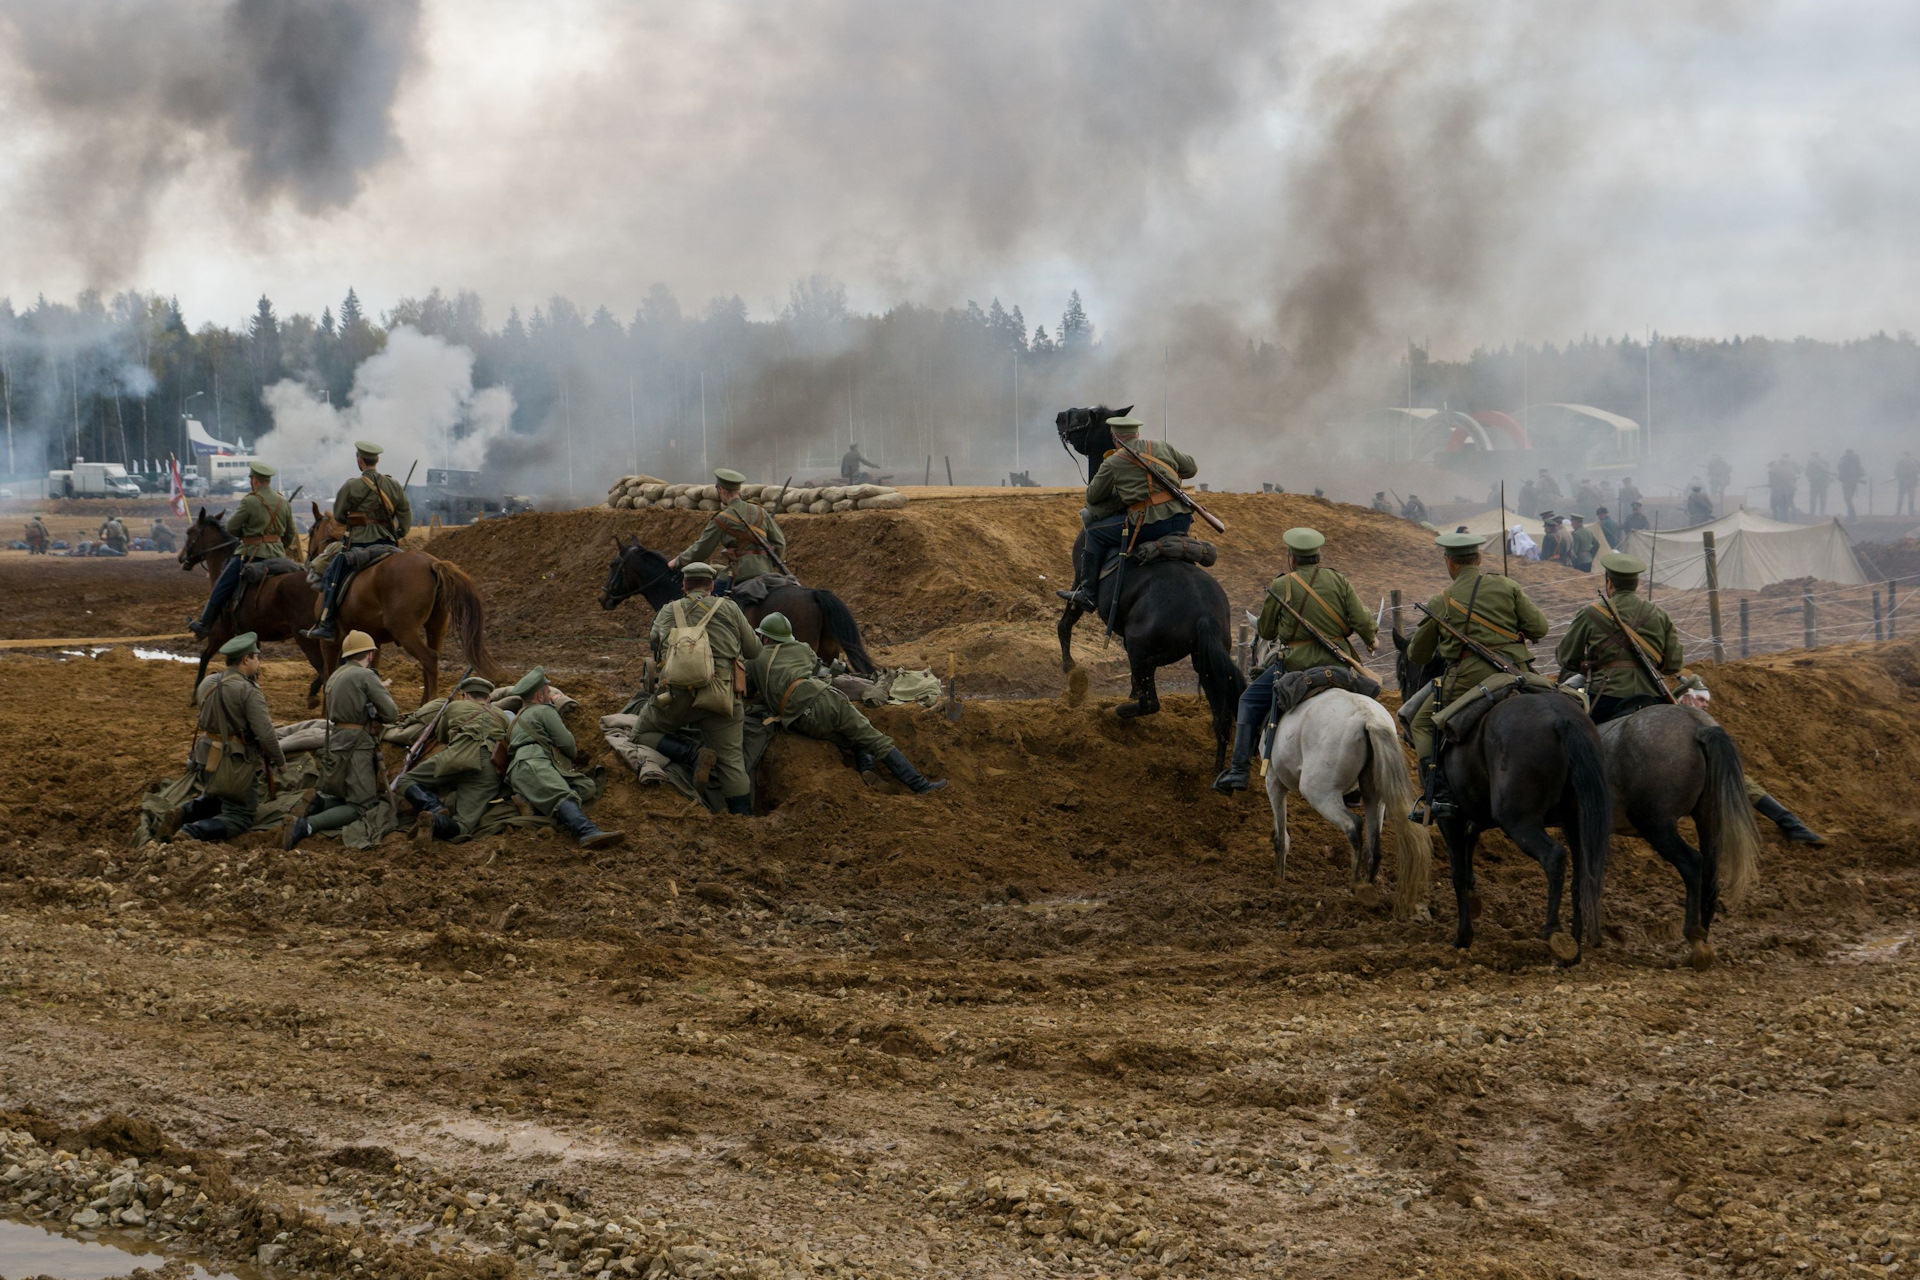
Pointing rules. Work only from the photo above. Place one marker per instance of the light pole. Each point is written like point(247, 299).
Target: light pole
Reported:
point(187, 453)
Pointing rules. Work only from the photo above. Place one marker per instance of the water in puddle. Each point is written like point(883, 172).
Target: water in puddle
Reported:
point(34, 1251)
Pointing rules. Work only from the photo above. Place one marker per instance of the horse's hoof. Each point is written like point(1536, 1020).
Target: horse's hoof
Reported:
point(1564, 948)
point(1702, 956)
point(1367, 894)
point(1078, 683)
point(1473, 904)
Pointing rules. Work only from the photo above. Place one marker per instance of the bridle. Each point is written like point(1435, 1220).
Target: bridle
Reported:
point(625, 592)
point(189, 561)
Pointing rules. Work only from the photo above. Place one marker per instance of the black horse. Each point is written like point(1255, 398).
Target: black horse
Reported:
point(1164, 611)
point(819, 617)
point(1534, 761)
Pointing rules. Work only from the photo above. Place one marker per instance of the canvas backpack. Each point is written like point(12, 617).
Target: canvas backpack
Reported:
point(689, 660)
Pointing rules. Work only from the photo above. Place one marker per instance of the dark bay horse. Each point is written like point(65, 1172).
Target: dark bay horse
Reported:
point(819, 617)
point(1534, 761)
point(407, 599)
point(1163, 611)
point(276, 609)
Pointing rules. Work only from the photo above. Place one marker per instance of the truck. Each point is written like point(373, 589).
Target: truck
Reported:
point(92, 480)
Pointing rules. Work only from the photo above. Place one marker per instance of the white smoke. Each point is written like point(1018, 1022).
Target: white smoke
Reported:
point(415, 398)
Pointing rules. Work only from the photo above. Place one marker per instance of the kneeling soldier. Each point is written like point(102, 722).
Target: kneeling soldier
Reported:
point(469, 729)
point(236, 741)
point(730, 638)
point(543, 765)
point(783, 679)
point(356, 703)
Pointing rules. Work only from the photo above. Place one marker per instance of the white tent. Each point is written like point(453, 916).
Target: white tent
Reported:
point(1752, 552)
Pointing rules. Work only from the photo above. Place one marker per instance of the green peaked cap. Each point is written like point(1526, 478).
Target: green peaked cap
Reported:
point(1460, 541)
point(530, 682)
point(244, 643)
point(1621, 563)
point(1304, 539)
point(728, 476)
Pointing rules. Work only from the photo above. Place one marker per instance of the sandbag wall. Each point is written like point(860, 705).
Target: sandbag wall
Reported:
point(635, 493)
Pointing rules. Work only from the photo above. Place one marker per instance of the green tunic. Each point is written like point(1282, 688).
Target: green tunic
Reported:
point(461, 772)
point(114, 533)
point(350, 765)
point(1583, 545)
point(541, 768)
point(1121, 484)
point(782, 681)
point(1337, 613)
point(729, 635)
point(233, 712)
point(1503, 621)
point(1593, 645)
point(264, 524)
point(358, 505)
point(732, 528)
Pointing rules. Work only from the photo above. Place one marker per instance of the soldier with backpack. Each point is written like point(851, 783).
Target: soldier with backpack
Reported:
point(702, 643)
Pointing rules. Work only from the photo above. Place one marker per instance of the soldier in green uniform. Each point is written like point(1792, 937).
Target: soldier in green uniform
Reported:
point(731, 638)
point(263, 527)
point(1129, 501)
point(744, 529)
point(782, 680)
point(1583, 545)
point(235, 745)
point(1610, 530)
point(469, 732)
point(1488, 608)
point(375, 510)
point(162, 537)
point(113, 532)
point(356, 704)
point(542, 765)
point(851, 461)
point(38, 539)
point(1593, 646)
point(1324, 598)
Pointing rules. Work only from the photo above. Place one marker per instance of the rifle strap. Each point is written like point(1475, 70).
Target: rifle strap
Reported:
point(1466, 627)
point(373, 479)
point(1307, 585)
point(1502, 632)
point(1631, 633)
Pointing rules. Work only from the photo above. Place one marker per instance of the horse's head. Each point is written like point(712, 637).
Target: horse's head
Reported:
point(1410, 675)
point(205, 536)
point(639, 571)
point(325, 529)
point(1085, 431)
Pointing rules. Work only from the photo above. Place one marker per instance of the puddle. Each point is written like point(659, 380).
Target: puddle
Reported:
point(34, 1251)
point(1876, 950)
point(161, 655)
point(515, 1140)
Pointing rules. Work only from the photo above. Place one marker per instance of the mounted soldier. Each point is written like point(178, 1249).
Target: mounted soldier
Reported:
point(234, 752)
point(262, 526)
point(1327, 602)
point(38, 539)
point(375, 510)
point(1487, 608)
point(850, 463)
point(700, 640)
point(544, 765)
point(1132, 499)
point(784, 680)
point(471, 731)
point(357, 705)
point(740, 531)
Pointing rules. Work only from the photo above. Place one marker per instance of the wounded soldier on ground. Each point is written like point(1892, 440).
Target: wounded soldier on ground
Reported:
point(451, 789)
point(356, 703)
point(232, 752)
point(784, 679)
point(544, 765)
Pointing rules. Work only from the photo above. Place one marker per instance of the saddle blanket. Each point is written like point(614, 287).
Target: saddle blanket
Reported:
point(1455, 721)
point(753, 591)
point(1171, 547)
point(1297, 687)
point(256, 571)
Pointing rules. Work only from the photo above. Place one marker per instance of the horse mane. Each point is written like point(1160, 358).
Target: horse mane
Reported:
point(1085, 430)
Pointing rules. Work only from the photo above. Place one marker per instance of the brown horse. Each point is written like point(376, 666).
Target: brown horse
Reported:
point(407, 599)
point(276, 609)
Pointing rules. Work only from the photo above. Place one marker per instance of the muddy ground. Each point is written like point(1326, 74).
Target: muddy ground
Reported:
point(1058, 1019)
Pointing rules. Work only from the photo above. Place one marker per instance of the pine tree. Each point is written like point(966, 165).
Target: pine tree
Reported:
point(326, 321)
point(1075, 329)
point(351, 315)
point(1042, 345)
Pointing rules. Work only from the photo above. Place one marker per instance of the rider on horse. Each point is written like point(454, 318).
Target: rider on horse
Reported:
point(1129, 501)
point(263, 526)
point(376, 512)
point(1324, 598)
point(1488, 608)
point(746, 529)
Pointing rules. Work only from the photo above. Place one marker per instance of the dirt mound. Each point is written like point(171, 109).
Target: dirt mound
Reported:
point(143, 594)
point(1891, 559)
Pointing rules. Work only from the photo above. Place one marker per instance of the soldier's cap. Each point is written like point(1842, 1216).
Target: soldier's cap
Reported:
point(241, 645)
point(1600, 511)
point(1623, 564)
point(729, 477)
point(261, 469)
point(776, 627)
point(1124, 424)
point(530, 682)
point(1460, 542)
point(1303, 539)
point(1577, 518)
point(697, 569)
point(357, 642)
point(1547, 515)
point(367, 448)
point(476, 684)
point(1637, 506)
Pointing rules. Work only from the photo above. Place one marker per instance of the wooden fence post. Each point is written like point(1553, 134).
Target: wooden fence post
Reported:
point(949, 461)
point(1713, 598)
point(1893, 606)
point(1743, 626)
point(1877, 628)
point(1809, 620)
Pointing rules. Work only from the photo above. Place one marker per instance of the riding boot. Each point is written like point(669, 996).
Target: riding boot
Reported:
point(863, 765)
point(742, 806)
point(1436, 801)
point(1240, 770)
point(1796, 831)
point(297, 830)
point(902, 768)
point(435, 826)
point(329, 600)
point(423, 800)
point(212, 830)
point(697, 758)
point(569, 814)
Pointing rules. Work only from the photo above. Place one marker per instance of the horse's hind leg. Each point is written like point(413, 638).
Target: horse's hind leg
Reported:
point(1146, 698)
point(1533, 840)
point(1466, 899)
point(1277, 797)
point(1325, 793)
point(1664, 835)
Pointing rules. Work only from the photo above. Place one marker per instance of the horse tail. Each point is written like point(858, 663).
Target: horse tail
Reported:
point(1220, 680)
point(1727, 828)
point(1411, 840)
point(838, 620)
point(469, 616)
point(1593, 805)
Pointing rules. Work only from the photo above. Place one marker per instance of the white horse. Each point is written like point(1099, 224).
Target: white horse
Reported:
point(1333, 744)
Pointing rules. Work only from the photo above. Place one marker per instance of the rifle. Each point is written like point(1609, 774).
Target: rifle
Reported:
point(1479, 649)
point(419, 747)
point(1638, 645)
point(1180, 495)
point(1506, 539)
point(766, 548)
point(1319, 636)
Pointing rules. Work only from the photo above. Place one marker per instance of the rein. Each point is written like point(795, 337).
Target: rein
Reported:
point(200, 555)
point(627, 593)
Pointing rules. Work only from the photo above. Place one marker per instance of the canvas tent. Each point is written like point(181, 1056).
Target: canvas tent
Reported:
point(1752, 552)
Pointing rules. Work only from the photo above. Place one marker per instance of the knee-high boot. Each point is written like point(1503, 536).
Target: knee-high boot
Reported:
point(1240, 771)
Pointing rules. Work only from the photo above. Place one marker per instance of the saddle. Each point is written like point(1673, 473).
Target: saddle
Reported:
point(254, 572)
point(1456, 721)
point(753, 591)
point(1172, 547)
point(1297, 687)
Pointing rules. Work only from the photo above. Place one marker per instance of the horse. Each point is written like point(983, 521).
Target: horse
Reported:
point(819, 617)
point(1533, 761)
point(1164, 611)
point(1331, 745)
point(407, 598)
point(276, 609)
point(1668, 762)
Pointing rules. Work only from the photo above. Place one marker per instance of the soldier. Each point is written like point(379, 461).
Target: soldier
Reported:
point(1719, 476)
point(356, 703)
point(731, 638)
point(1629, 492)
point(1488, 608)
point(1850, 473)
point(746, 529)
point(1380, 502)
point(1324, 598)
point(543, 764)
point(1782, 478)
point(38, 539)
point(1582, 545)
point(1700, 506)
point(162, 537)
point(469, 730)
point(375, 510)
point(782, 680)
point(263, 526)
point(113, 532)
point(1545, 485)
point(1553, 542)
point(1610, 529)
point(1636, 520)
point(1413, 509)
point(1906, 474)
point(1130, 501)
point(1819, 477)
point(235, 743)
point(1586, 495)
point(850, 463)
point(1594, 646)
